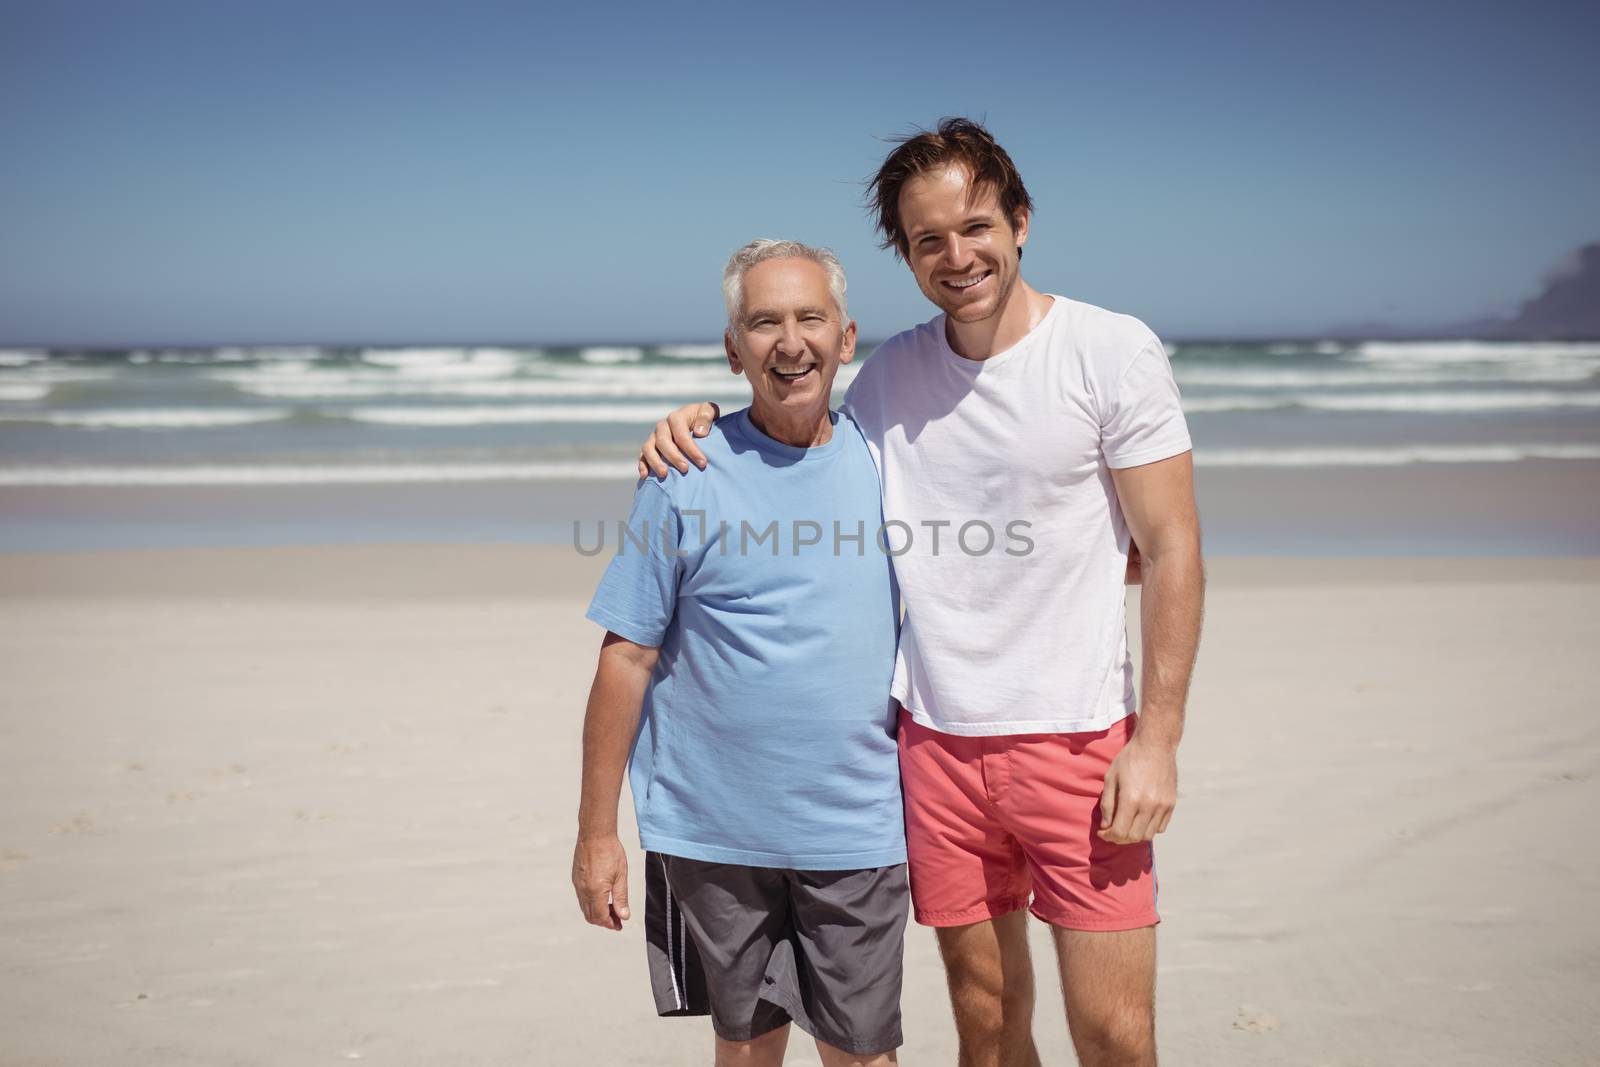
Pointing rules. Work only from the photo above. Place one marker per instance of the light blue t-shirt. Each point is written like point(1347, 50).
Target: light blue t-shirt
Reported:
point(768, 736)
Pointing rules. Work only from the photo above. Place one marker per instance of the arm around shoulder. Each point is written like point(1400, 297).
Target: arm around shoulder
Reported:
point(672, 441)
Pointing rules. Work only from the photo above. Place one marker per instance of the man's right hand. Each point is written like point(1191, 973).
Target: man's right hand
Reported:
point(600, 877)
point(673, 440)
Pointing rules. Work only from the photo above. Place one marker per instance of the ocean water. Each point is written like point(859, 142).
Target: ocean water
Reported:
point(261, 420)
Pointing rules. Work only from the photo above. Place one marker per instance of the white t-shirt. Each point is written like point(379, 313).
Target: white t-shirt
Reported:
point(1024, 631)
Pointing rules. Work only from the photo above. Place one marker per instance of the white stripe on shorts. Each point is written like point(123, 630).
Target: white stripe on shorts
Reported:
point(672, 955)
point(683, 948)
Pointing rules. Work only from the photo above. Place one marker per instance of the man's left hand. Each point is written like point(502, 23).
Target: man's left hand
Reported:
point(1140, 792)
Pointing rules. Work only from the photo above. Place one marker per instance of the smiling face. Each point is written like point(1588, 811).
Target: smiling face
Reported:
point(789, 340)
point(961, 247)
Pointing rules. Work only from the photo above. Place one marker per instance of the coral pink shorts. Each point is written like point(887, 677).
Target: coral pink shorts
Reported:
point(994, 821)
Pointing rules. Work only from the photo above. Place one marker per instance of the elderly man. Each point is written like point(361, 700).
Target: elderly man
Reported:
point(751, 623)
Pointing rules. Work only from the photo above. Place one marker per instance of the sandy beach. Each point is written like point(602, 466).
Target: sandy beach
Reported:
point(314, 805)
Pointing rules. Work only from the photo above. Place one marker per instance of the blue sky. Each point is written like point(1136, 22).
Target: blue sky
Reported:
point(477, 172)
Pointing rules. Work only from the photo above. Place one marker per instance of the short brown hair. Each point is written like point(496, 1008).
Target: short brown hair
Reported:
point(956, 140)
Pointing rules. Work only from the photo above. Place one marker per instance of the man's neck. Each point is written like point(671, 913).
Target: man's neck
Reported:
point(797, 433)
point(980, 340)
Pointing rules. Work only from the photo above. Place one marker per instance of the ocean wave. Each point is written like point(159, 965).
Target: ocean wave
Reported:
point(1442, 403)
point(21, 357)
point(152, 418)
point(610, 355)
point(302, 380)
point(707, 352)
point(1263, 378)
point(683, 373)
point(57, 373)
point(501, 414)
point(667, 382)
point(1396, 456)
point(267, 353)
point(1451, 402)
point(24, 390)
point(1207, 405)
point(680, 376)
point(735, 391)
point(1258, 377)
point(1302, 348)
point(412, 357)
point(202, 358)
point(527, 388)
point(309, 474)
point(446, 362)
point(282, 370)
point(1474, 351)
point(310, 373)
point(307, 376)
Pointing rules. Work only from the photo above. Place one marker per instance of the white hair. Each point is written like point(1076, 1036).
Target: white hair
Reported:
point(766, 248)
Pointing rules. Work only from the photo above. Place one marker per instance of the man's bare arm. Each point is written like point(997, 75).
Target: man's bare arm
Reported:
point(673, 440)
point(599, 865)
point(672, 443)
point(1157, 501)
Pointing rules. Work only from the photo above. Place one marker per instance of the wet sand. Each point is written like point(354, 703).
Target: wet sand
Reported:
point(1532, 508)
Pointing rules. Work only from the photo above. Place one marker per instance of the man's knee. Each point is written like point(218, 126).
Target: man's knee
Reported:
point(1125, 1037)
point(764, 1051)
point(978, 976)
point(836, 1057)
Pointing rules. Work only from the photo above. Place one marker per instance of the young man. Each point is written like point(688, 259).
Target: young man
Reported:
point(1029, 780)
point(751, 621)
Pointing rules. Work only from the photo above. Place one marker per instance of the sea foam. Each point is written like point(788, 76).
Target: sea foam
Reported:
point(1257, 377)
point(1441, 403)
point(445, 363)
point(1475, 351)
point(685, 383)
point(1396, 456)
point(152, 418)
point(526, 388)
point(707, 352)
point(495, 414)
point(608, 356)
point(307, 474)
point(1528, 400)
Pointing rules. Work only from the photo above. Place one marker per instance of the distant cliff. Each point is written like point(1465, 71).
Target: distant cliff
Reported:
point(1569, 306)
point(1566, 309)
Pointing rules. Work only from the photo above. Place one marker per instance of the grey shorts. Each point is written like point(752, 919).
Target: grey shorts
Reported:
point(757, 947)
